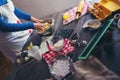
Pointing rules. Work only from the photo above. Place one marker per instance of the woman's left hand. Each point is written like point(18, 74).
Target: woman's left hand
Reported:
point(35, 20)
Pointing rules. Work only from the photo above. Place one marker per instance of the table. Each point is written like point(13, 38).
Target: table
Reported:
point(39, 70)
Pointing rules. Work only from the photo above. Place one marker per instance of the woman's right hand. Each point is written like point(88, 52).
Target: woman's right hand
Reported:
point(39, 27)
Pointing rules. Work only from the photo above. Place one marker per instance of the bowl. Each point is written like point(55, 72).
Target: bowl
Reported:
point(58, 45)
point(92, 24)
point(48, 23)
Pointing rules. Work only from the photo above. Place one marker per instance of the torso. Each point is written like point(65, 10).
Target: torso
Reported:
point(11, 42)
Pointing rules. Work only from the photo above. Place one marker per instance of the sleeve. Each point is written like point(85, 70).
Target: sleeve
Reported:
point(21, 14)
point(13, 27)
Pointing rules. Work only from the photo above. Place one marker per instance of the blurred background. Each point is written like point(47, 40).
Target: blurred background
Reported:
point(40, 8)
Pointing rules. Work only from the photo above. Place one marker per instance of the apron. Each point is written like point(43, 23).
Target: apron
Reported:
point(11, 42)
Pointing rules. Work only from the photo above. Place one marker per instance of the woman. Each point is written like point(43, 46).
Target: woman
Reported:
point(14, 34)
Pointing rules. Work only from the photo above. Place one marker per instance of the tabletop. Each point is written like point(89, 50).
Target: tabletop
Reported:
point(34, 70)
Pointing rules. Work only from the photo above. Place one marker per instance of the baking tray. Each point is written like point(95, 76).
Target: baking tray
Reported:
point(111, 5)
point(94, 41)
point(105, 8)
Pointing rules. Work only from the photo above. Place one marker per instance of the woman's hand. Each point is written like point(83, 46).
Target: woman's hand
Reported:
point(39, 27)
point(35, 20)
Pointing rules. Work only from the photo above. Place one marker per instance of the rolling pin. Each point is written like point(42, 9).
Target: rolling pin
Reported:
point(79, 8)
